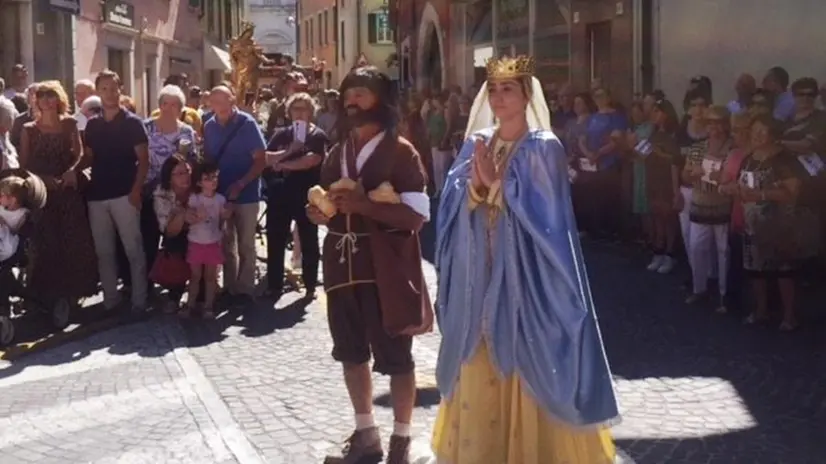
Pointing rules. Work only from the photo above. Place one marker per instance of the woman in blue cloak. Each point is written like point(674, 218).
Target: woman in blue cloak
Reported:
point(522, 370)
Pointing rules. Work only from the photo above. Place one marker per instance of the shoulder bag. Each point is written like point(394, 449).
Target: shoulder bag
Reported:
point(220, 153)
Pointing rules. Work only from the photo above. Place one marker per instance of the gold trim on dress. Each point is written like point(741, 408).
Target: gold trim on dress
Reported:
point(474, 198)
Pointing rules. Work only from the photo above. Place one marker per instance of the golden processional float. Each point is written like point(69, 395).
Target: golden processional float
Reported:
point(252, 71)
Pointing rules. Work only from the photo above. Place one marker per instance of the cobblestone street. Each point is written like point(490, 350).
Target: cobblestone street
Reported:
point(260, 387)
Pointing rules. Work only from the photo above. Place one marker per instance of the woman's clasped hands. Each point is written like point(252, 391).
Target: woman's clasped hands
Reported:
point(484, 168)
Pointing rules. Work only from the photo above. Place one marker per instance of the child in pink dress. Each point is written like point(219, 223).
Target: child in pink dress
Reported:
point(208, 211)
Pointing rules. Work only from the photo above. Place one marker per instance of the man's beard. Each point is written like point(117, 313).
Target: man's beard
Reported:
point(359, 117)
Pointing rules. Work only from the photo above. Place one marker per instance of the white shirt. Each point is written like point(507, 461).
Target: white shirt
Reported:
point(11, 93)
point(8, 154)
point(9, 241)
point(81, 121)
point(208, 230)
point(417, 201)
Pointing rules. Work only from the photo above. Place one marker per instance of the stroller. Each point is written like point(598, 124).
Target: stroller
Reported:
point(13, 270)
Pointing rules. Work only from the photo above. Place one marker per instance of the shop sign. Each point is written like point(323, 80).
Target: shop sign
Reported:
point(120, 13)
point(67, 6)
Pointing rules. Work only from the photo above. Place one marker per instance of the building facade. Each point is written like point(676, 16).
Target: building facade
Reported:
point(143, 41)
point(275, 25)
point(38, 34)
point(425, 33)
point(318, 35)
point(368, 36)
point(220, 22)
point(573, 41)
point(721, 40)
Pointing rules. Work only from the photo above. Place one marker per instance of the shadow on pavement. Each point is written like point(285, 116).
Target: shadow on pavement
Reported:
point(654, 338)
point(263, 317)
point(54, 350)
point(264, 322)
point(425, 398)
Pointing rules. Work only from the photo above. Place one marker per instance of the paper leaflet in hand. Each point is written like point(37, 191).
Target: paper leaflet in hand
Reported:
point(710, 166)
point(587, 165)
point(813, 163)
point(644, 147)
point(748, 179)
point(300, 130)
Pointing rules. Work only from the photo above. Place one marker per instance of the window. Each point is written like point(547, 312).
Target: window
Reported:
point(228, 23)
point(320, 31)
point(378, 28)
point(335, 30)
point(310, 35)
point(326, 28)
point(210, 15)
point(116, 61)
point(299, 29)
point(341, 42)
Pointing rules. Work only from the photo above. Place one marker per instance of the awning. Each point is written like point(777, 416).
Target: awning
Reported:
point(215, 57)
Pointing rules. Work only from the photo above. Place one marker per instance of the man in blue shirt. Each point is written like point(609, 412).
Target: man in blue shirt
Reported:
point(777, 82)
point(116, 149)
point(234, 141)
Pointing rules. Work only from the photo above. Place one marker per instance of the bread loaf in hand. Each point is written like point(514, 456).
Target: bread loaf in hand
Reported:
point(384, 193)
point(318, 198)
point(344, 183)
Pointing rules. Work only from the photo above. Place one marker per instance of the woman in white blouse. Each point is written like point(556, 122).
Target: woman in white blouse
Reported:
point(8, 154)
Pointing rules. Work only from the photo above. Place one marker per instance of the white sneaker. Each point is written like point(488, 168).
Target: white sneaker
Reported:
point(667, 265)
point(656, 262)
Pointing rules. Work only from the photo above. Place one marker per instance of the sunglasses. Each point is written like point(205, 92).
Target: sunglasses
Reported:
point(806, 94)
point(46, 94)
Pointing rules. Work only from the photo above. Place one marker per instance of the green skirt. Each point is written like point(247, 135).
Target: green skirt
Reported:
point(640, 200)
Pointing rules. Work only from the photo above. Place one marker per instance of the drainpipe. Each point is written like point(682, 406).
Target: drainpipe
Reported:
point(358, 28)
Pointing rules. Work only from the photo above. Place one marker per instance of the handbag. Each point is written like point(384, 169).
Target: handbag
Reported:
point(170, 270)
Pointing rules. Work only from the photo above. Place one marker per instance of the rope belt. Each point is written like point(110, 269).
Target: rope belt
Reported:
point(346, 244)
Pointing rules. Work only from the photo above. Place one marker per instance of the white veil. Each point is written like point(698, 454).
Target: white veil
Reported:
point(481, 114)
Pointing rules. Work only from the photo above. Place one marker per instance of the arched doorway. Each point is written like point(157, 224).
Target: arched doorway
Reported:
point(432, 70)
point(430, 59)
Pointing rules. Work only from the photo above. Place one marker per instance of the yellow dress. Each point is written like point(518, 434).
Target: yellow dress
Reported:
point(490, 420)
point(494, 421)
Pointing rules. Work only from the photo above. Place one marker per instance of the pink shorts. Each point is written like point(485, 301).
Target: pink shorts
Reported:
point(210, 254)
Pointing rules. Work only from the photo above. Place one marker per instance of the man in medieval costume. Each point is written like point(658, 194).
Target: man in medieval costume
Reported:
point(372, 199)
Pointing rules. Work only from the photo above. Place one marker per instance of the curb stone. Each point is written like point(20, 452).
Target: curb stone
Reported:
point(222, 422)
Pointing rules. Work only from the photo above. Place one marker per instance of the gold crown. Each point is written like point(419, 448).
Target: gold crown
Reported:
point(510, 67)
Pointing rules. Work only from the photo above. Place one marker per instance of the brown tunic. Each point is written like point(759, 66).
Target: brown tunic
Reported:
point(358, 250)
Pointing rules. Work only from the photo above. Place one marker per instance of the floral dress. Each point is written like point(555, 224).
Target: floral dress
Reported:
point(777, 237)
point(62, 258)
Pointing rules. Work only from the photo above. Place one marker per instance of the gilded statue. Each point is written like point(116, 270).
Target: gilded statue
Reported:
point(249, 65)
point(247, 59)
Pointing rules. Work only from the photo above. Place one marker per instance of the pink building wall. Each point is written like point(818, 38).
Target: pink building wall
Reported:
point(172, 43)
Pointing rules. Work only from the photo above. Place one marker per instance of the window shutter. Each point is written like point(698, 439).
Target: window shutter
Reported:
point(371, 28)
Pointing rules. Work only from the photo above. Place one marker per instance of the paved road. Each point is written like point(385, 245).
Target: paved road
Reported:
point(694, 387)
